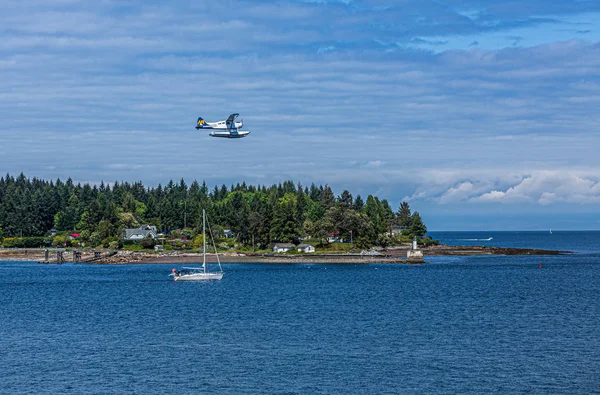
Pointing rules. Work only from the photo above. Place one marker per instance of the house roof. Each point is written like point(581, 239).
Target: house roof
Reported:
point(283, 245)
point(75, 234)
point(144, 231)
point(304, 245)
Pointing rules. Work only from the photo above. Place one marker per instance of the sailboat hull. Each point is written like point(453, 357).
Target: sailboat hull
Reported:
point(199, 277)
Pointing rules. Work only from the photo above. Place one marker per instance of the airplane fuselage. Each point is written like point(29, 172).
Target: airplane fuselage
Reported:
point(219, 125)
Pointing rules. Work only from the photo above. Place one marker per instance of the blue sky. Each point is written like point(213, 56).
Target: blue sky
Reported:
point(482, 114)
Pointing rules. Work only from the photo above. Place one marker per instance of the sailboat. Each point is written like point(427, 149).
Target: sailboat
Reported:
point(200, 273)
point(550, 231)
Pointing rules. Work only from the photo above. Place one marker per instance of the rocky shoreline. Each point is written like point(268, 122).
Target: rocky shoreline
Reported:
point(395, 255)
point(443, 250)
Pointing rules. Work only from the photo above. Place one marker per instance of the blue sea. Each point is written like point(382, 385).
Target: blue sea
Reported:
point(483, 324)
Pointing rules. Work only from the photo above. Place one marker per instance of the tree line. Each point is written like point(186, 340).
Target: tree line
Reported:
point(258, 215)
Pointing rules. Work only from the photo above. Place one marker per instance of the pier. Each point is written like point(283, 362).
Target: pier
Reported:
point(75, 256)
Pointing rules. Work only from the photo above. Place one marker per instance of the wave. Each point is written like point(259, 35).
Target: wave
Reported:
point(488, 239)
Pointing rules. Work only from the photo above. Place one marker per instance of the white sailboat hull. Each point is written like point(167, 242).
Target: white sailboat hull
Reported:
point(199, 276)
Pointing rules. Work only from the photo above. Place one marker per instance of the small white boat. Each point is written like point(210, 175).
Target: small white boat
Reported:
point(199, 273)
point(195, 274)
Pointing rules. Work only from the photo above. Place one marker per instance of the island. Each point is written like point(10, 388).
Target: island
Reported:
point(122, 222)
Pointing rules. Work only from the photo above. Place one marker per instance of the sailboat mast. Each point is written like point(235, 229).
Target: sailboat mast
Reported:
point(204, 239)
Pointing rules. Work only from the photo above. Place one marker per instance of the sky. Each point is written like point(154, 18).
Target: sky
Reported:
point(482, 114)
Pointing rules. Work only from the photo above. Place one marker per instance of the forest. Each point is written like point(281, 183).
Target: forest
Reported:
point(257, 215)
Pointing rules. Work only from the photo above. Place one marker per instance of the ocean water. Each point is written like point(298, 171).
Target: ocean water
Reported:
point(456, 325)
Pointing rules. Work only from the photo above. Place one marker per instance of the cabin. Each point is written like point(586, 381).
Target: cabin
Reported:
point(140, 233)
point(332, 238)
point(282, 247)
point(396, 230)
point(306, 248)
point(74, 236)
point(159, 247)
point(228, 233)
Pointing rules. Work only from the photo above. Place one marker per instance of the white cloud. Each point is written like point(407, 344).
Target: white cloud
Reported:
point(538, 188)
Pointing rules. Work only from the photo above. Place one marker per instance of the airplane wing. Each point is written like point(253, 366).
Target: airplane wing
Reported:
point(231, 121)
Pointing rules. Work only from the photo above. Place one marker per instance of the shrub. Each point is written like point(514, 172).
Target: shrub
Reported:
point(35, 242)
point(198, 241)
point(363, 243)
point(61, 241)
point(148, 243)
point(427, 241)
point(223, 246)
point(13, 242)
point(112, 242)
point(85, 235)
point(95, 239)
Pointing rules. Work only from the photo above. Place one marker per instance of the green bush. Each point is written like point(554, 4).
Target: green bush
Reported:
point(427, 241)
point(133, 247)
point(26, 242)
point(95, 239)
point(61, 241)
point(36, 242)
point(148, 243)
point(85, 235)
point(112, 242)
point(13, 242)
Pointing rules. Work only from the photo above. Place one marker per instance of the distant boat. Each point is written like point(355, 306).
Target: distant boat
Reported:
point(550, 231)
point(199, 273)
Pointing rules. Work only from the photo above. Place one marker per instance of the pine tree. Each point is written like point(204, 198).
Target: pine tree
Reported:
point(403, 216)
point(417, 227)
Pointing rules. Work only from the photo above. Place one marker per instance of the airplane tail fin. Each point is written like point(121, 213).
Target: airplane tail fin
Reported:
point(201, 122)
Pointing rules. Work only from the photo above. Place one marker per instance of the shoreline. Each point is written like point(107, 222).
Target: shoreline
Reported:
point(392, 256)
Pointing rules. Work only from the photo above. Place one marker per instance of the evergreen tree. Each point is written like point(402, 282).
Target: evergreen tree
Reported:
point(403, 216)
point(358, 203)
point(327, 198)
point(417, 227)
point(284, 226)
point(346, 199)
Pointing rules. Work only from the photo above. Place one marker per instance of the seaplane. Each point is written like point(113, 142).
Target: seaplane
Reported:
point(228, 128)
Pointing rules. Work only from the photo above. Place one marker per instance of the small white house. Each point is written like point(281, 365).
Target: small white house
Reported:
point(228, 233)
point(282, 247)
point(332, 238)
point(306, 248)
point(396, 230)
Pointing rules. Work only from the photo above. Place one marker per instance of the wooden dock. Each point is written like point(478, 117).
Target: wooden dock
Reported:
point(61, 256)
